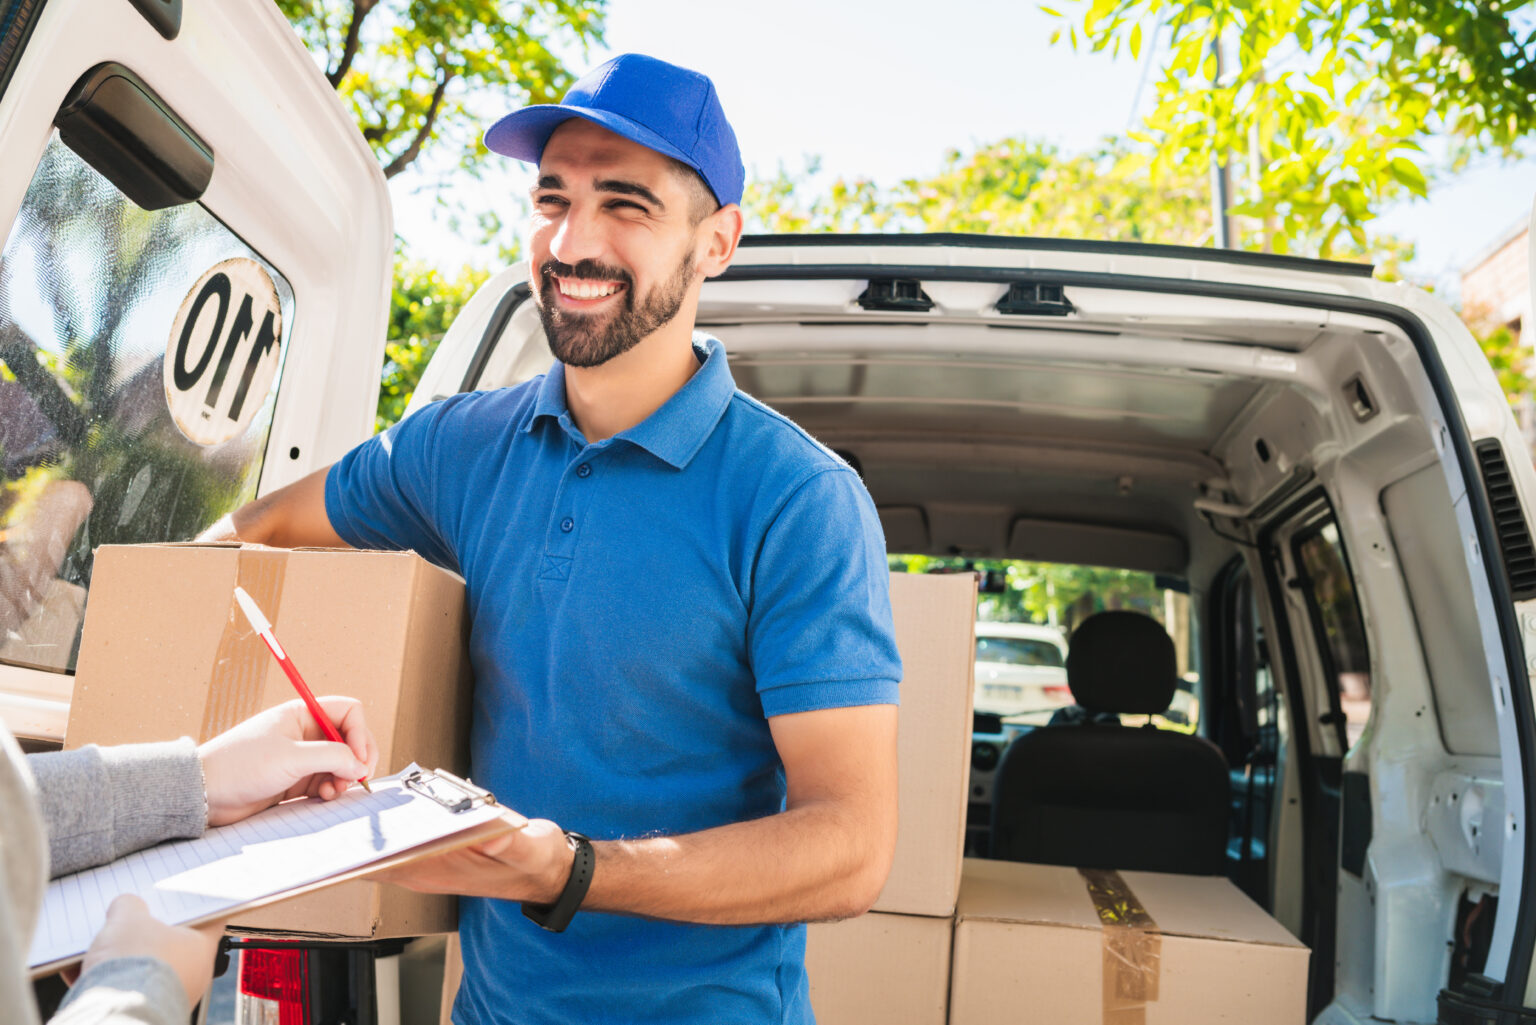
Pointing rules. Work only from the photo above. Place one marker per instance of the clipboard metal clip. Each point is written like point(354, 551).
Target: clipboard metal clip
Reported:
point(448, 790)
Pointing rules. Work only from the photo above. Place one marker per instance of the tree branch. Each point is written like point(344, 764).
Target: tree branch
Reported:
point(360, 10)
point(413, 151)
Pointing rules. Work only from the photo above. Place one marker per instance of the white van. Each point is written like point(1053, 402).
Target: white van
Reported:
point(1324, 461)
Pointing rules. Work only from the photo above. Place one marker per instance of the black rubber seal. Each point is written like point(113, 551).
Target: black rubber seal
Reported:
point(508, 304)
point(951, 239)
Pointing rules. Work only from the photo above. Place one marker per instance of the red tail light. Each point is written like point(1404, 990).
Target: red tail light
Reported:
point(274, 988)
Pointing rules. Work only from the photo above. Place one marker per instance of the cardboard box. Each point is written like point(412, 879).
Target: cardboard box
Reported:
point(1164, 950)
point(935, 632)
point(166, 652)
point(878, 969)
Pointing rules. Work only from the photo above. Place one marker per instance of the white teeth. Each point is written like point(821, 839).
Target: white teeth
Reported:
point(586, 289)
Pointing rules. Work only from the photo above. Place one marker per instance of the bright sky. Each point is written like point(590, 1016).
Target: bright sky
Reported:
point(884, 90)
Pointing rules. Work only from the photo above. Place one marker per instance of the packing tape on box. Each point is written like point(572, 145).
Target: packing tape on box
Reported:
point(1132, 948)
point(242, 661)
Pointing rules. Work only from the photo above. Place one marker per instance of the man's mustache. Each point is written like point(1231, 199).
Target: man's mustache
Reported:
point(588, 270)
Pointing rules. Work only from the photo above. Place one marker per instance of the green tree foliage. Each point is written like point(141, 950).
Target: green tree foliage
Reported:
point(1011, 187)
point(432, 73)
point(1046, 592)
point(425, 78)
point(1511, 362)
point(1323, 109)
point(1118, 191)
point(424, 304)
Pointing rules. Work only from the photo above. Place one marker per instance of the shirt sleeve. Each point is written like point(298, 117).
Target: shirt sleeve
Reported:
point(389, 493)
point(125, 991)
point(100, 803)
point(819, 629)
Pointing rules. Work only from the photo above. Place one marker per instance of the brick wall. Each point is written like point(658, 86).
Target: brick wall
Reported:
point(1496, 291)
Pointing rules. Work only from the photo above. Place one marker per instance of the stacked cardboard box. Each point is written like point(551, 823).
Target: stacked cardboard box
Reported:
point(1100, 946)
point(893, 964)
point(166, 652)
point(972, 942)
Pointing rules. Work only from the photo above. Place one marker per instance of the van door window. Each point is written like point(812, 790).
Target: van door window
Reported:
point(1339, 630)
point(1248, 730)
point(140, 357)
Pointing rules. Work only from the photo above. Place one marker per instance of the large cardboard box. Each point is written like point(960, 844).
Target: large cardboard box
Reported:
point(878, 969)
point(935, 632)
point(1099, 946)
point(166, 652)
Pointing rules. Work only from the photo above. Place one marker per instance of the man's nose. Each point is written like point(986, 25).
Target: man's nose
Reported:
point(579, 237)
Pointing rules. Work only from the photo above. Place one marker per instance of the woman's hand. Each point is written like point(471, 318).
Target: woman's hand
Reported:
point(131, 931)
point(282, 753)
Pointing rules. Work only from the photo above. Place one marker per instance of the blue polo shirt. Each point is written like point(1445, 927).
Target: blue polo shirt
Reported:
point(640, 607)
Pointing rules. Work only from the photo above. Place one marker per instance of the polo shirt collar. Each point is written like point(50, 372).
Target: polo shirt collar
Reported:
point(675, 432)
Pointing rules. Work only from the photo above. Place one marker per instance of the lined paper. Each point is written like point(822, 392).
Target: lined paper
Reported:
point(277, 850)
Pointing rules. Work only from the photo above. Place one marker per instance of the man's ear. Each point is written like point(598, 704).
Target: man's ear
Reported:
point(720, 233)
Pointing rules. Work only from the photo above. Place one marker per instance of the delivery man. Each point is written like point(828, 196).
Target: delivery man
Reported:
point(70, 810)
point(681, 624)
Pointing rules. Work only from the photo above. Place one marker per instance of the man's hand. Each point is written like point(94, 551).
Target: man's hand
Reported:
point(281, 753)
point(131, 931)
point(531, 863)
point(825, 857)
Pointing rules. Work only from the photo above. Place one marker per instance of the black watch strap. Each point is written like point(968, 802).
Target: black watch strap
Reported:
point(555, 917)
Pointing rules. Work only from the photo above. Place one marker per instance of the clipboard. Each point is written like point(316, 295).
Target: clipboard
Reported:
point(273, 856)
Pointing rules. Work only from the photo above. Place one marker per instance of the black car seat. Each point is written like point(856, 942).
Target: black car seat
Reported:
point(1094, 795)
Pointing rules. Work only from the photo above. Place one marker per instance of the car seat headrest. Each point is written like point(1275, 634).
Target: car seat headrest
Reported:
point(1122, 662)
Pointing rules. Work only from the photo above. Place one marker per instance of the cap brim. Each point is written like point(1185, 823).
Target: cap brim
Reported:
point(523, 133)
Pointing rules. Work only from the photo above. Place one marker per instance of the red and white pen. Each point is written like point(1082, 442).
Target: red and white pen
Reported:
point(263, 626)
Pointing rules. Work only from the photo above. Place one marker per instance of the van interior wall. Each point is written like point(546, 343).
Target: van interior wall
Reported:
point(1356, 418)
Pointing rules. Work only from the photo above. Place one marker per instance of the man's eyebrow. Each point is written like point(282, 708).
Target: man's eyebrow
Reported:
point(628, 188)
point(549, 181)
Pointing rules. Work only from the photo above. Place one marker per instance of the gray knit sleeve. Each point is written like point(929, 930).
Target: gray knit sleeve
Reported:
point(100, 803)
point(125, 991)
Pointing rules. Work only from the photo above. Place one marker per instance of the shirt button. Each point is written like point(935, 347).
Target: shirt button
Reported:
point(567, 525)
point(584, 470)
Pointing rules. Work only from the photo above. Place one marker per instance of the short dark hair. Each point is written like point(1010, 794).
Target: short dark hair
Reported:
point(701, 200)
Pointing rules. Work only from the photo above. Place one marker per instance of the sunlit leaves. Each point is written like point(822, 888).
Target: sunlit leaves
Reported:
point(429, 75)
point(1322, 106)
point(423, 305)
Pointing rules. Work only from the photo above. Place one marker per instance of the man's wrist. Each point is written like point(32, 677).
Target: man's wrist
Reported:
point(556, 915)
point(559, 875)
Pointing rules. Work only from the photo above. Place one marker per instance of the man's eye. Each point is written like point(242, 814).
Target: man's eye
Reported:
point(549, 201)
point(618, 203)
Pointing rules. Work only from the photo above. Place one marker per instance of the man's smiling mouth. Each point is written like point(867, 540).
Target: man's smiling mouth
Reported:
point(584, 288)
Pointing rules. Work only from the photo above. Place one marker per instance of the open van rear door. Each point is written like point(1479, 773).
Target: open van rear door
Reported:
point(193, 289)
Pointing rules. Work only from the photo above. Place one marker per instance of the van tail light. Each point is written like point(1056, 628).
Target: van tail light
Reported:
point(274, 988)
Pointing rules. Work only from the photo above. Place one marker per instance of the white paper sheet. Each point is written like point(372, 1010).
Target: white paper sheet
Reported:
point(282, 848)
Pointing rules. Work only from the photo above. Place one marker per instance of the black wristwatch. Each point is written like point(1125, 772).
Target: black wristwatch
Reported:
point(555, 917)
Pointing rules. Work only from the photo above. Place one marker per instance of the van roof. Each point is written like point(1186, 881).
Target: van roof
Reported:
point(1063, 245)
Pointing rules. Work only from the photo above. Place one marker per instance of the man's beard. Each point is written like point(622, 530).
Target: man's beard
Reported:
point(589, 340)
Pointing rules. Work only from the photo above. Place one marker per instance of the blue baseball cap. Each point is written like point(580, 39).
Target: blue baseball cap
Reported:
point(661, 106)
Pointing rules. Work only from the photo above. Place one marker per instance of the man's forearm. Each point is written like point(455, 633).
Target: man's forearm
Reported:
point(291, 517)
point(810, 863)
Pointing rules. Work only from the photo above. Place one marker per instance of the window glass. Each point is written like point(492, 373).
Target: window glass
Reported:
point(1336, 621)
point(140, 357)
point(1016, 651)
point(1025, 614)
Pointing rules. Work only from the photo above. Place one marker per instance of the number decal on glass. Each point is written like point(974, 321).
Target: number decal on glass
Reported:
point(223, 351)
